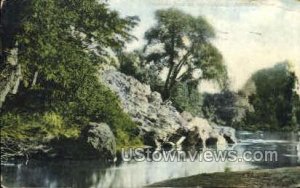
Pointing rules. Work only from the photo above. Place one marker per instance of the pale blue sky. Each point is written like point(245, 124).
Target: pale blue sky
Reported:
point(250, 34)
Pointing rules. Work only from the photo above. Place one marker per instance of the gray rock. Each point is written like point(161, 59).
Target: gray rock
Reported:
point(227, 132)
point(100, 140)
point(158, 120)
point(96, 141)
point(9, 81)
point(187, 116)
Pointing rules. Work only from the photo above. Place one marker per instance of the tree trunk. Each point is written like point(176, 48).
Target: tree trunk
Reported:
point(34, 78)
point(166, 92)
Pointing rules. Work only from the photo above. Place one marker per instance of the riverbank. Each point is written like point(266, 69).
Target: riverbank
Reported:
point(280, 177)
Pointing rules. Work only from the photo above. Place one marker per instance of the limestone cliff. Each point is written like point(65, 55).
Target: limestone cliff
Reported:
point(159, 121)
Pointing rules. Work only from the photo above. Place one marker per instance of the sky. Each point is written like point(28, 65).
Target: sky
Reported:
point(251, 34)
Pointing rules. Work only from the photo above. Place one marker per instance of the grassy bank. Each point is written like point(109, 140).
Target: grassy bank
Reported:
point(280, 177)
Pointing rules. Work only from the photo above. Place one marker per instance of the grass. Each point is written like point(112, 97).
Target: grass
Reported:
point(36, 126)
point(281, 177)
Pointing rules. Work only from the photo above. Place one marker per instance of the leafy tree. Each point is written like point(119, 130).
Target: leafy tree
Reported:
point(60, 46)
point(275, 102)
point(180, 41)
point(52, 34)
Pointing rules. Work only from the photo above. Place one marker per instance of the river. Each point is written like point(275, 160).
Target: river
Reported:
point(136, 174)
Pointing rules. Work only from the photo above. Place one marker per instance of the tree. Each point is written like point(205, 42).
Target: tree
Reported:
point(60, 47)
point(275, 101)
point(51, 35)
point(61, 43)
point(182, 42)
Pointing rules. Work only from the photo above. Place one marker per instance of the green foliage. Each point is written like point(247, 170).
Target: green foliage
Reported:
point(63, 42)
point(54, 37)
point(90, 103)
point(275, 102)
point(182, 41)
point(178, 41)
point(125, 140)
point(188, 99)
point(130, 64)
point(36, 126)
point(220, 107)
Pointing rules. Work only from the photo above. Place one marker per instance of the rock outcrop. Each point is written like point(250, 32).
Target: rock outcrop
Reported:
point(200, 133)
point(227, 132)
point(10, 76)
point(159, 122)
point(156, 119)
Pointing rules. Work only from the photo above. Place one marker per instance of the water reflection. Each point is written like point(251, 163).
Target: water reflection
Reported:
point(137, 174)
point(90, 174)
point(287, 146)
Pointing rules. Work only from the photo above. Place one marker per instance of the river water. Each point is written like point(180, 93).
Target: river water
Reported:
point(137, 174)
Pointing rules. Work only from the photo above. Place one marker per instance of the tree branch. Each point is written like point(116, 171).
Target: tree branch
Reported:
point(178, 68)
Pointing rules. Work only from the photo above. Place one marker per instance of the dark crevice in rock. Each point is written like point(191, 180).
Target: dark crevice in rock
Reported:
point(211, 141)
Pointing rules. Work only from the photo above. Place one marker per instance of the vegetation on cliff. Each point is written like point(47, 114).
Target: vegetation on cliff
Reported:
point(177, 56)
point(60, 45)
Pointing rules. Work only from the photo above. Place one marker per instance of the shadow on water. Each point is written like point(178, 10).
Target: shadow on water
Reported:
point(137, 174)
point(53, 174)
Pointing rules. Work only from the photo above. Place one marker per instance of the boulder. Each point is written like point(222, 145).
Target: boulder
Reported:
point(187, 116)
point(201, 133)
point(100, 140)
point(96, 141)
point(227, 132)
